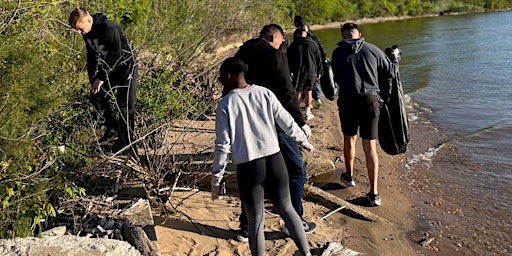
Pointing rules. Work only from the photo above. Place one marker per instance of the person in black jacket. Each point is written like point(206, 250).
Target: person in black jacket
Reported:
point(111, 66)
point(268, 67)
point(305, 64)
point(299, 23)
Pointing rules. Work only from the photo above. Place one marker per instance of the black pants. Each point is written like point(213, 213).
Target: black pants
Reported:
point(268, 173)
point(125, 87)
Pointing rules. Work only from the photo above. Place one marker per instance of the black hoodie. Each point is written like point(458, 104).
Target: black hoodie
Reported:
point(108, 50)
point(268, 67)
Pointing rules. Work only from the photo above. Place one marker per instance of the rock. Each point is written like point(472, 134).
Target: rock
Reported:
point(336, 249)
point(66, 245)
point(57, 231)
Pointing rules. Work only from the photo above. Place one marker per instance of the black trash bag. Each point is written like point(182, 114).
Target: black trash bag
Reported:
point(327, 84)
point(393, 122)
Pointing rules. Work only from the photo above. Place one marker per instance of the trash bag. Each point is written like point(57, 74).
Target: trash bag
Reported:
point(327, 84)
point(393, 122)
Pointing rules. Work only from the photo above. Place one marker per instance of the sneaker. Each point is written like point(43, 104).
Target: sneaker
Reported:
point(346, 180)
point(309, 116)
point(309, 227)
point(317, 103)
point(374, 199)
point(243, 236)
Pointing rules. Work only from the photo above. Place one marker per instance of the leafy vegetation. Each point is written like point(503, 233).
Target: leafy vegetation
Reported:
point(47, 126)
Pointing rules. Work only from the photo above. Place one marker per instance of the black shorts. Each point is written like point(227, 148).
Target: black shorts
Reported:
point(361, 112)
point(306, 83)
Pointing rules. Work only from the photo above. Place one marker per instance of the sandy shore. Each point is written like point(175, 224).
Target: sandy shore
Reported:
point(205, 227)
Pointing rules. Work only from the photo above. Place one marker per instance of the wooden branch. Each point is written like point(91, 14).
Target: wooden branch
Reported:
point(331, 201)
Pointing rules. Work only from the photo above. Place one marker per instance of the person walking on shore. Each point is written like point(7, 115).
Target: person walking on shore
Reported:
point(357, 66)
point(317, 93)
point(111, 66)
point(248, 131)
point(305, 63)
point(268, 67)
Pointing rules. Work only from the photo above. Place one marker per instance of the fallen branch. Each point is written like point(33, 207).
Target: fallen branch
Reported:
point(331, 201)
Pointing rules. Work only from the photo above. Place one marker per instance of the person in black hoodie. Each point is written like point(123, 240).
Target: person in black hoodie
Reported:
point(111, 66)
point(268, 67)
point(305, 63)
point(299, 23)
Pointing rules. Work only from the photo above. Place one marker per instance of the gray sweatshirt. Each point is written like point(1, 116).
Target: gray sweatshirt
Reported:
point(245, 127)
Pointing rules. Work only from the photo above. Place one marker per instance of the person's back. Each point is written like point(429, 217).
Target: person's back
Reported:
point(268, 67)
point(304, 58)
point(248, 129)
point(357, 66)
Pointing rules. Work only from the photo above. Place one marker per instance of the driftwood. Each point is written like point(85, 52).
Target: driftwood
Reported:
point(336, 249)
point(331, 201)
point(137, 237)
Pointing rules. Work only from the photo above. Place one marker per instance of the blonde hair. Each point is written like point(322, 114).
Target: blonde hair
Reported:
point(78, 14)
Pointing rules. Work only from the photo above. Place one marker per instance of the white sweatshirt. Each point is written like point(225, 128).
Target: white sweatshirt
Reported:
point(245, 125)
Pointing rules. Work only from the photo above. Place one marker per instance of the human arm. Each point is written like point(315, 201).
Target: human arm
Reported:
point(222, 148)
point(285, 121)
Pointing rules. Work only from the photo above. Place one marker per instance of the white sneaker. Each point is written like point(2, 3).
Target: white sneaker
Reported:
point(309, 116)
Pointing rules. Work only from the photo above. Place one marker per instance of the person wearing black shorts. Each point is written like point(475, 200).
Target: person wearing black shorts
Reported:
point(357, 66)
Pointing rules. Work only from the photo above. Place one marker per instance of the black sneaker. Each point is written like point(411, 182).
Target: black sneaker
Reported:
point(243, 236)
point(346, 180)
point(309, 227)
point(374, 199)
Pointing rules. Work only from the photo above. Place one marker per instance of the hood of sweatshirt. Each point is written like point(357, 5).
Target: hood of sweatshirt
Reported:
point(98, 20)
point(352, 45)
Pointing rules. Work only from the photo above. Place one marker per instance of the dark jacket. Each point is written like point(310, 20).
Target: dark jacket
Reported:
point(108, 50)
point(319, 44)
point(268, 67)
point(304, 59)
point(357, 66)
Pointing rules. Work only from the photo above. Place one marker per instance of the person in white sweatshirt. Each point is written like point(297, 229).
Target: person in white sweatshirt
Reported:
point(245, 127)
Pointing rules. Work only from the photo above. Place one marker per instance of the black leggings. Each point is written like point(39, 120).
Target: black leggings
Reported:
point(269, 172)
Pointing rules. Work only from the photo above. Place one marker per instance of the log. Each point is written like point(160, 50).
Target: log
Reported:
point(137, 237)
point(331, 201)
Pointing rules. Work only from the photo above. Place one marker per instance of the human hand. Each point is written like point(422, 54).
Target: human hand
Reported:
point(307, 130)
point(308, 146)
point(96, 86)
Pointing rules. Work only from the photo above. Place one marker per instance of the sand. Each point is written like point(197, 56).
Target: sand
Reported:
point(205, 227)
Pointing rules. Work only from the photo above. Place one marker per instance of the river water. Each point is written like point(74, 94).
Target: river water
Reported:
point(457, 72)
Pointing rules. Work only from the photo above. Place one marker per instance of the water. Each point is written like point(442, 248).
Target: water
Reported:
point(457, 71)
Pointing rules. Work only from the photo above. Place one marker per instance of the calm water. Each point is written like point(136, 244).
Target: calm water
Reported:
point(458, 68)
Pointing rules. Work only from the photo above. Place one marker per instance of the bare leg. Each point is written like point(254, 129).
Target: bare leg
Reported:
point(349, 151)
point(308, 98)
point(372, 163)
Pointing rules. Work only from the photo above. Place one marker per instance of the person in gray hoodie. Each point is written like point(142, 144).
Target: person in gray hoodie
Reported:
point(357, 66)
point(245, 128)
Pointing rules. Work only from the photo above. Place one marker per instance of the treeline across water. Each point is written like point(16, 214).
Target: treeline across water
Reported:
point(48, 131)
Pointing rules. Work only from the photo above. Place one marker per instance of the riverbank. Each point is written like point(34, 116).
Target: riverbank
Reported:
point(205, 227)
